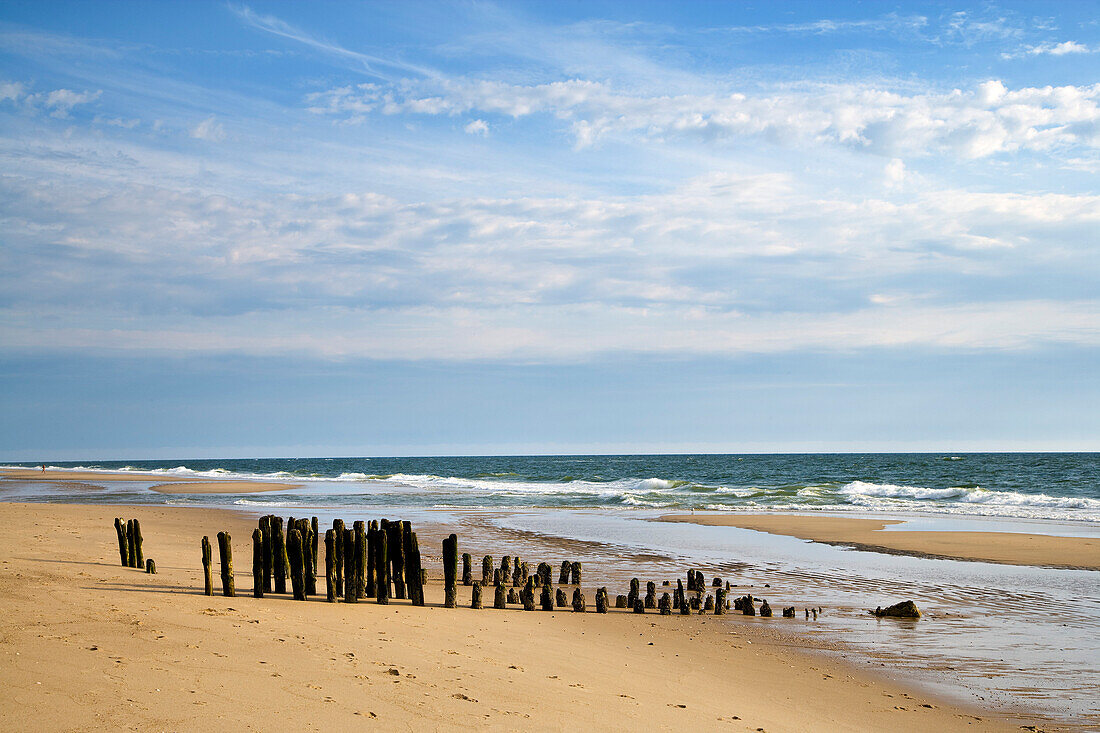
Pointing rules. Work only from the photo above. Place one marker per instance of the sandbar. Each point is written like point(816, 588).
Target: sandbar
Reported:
point(1010, 548)
point(87, 644)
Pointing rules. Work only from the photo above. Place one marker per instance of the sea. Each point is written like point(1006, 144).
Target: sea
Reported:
point(1015, 638)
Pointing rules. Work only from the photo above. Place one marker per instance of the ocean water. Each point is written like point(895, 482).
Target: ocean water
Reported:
point(1058, 486)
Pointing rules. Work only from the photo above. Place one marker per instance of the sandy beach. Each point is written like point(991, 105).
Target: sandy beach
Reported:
point(91, 645)
point(866, 534)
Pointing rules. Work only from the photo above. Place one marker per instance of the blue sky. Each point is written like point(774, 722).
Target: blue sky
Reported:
point(401, 228)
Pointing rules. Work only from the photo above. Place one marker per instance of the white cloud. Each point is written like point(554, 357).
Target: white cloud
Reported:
point(478, 127)
point(894, 172)
point(209, 129)
point(12, 90)
point(989, 120)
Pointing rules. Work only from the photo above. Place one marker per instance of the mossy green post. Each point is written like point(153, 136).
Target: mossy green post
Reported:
point(206, 560)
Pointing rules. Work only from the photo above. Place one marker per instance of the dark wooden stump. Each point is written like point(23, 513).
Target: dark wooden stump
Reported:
point(257, 563)
point(664, 606)
point(370, 573)
point(528, 595)
point(351, 560)
point(499, 598)
point(467, 569)
point(517, 574)
point(513, 597)
point(719, 601)
point(563, 576)
point(266, 549)
point(360, 529)
point(575, 574)
point(123, 543)
point(296, 557)
point(338, 528)
point(450, 570)
point(225, 551)
point(560, 599)
point(313, 550)
point(382, 566)
point(601, 600)
point(578, 601)
point(765, 609)
point(487, 570)
point(685, 607)
point(635, 591)
point(330, 566)
point(414, 568)
point(131, 556)
point(748, 608)
point(475, 596)
point(139, 556)
point(150, 566)
point(546, 598)
point(788, 612)
point(278, 555)
point(206, 560)
point(620, 601)
point(505, 570)
point(708, 605)
point(651, 595)
point(639, 606)
point(396, 543)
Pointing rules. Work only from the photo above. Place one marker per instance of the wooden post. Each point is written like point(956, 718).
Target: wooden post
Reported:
point(397, 559)
point(360, 529)
point(206, 560)
point(150, 566)
point(651, 595)
point(313, 550)
point(560, 599)
point(123, 544)
point(765, 609)
point(512, 596)
point(546, 598)
point(351, 590)
point(563, 576)
point(131, 555)
point(487, 570)
point(665, 605)
point(620, 601)
point(257, 563)
point(450, 570)
point(578, 601)
point(296, 558)
point(338, 556)
point(278, 555)
point(330, 566)
point(370, 573)
point(601, 600)
point(268, 555)
point(414, 568)
point(719, 601)
point(225, 549)
point(475, 596)
point(575, 569)
point(499, 597)
point(528, 595)
point(309, 545)
point(467, 570)
point(685, 607)
point(382, 567)
point(708, 605)
point(635, 591)
point(139, 557)
point(517, 574)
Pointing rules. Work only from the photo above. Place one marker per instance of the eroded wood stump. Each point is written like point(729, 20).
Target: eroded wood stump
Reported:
point(499, 597)
point(475, 595)
point(123, 542)
point(382, 566)
point(719, 602)
point(257, 563)
point(578, 601)
point(278, 555)
point(414, 568)
point(563, 576)
point(296, 557)
point(450, 570)
point(620, 601)
point(467, 569)
point(150, 566)
point(575, 574)
point(651, 595)
point(331, 594)
point(664, 606)
point(225, 550)
point(487, 570)
point(206, 561)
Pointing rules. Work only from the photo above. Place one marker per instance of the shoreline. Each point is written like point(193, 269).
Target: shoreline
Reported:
point(162, 484)
point(182, 658)
point(1007, 548)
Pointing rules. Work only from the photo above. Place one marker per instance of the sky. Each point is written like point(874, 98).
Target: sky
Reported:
point(321, 229)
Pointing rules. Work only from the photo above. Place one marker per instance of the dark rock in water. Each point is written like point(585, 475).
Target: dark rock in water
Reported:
point(708, 605)
point(788, 612)
point(620, 601)
point(665, 605)
point(765, 609)
point(717, 583)
point(747, 606)
point(695, 603)
point(905, 609)
point(560, 599)
point(578, 601)
point(665, 582)
point(512, 597)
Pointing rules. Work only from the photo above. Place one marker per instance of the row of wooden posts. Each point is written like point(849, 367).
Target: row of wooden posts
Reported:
point(130, 545)
point(381, 559)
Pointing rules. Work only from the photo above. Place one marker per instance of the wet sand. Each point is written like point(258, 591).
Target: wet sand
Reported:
point(167, 485)
point(91, 645)
point(1080, 553)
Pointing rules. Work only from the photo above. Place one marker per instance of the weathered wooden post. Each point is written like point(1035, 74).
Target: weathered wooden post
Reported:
point(665, 605)
point(765, 609)
point(651, 595)
point(788, 612)
point(450, 570)
point(268, 555)
point(396, 545)
point(506, 569)
point(467, 570)
point(382, 566)
point(313, 549)
point(296, 556)
point(487, 570)
point(620, 601)
point(225, 550)
point(635, 591)
point(370, 572)
point(150, 566)
point(338, 558)
point(708, 605)
point(528, 595)
point(546, 598)
point(717, 583)
point(123, 543)
point(414, 569)
point(257, 563)
point(691, 580)
point(578, 601)
point(130, 543)
point(561, 600)
point(475, 596)
point(351, 557)
point(685, 607)
point(748, 608)
point(359, 527)
point(563, 576)
point(138, 548)
point(330, 566)
point(601, 600)
point(206, 560)
point(517, 574)
point(513, 597)
point(576, 573)
point(719, 601)
point(278, 555)
point(678, 599)
point(309, 578)
point(499, 596)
